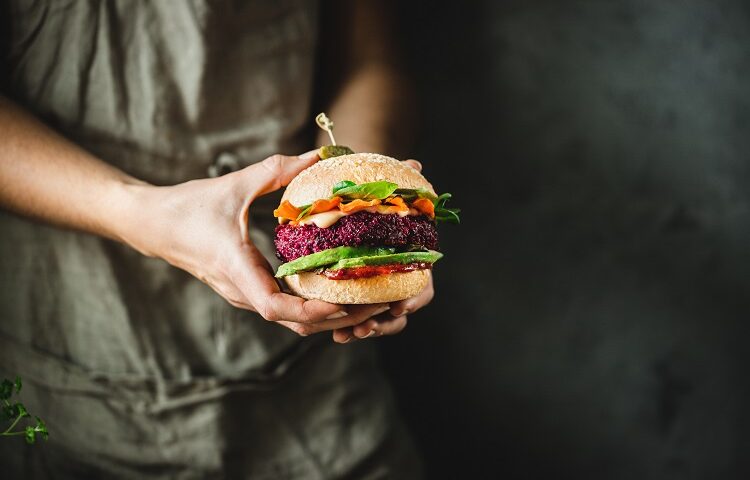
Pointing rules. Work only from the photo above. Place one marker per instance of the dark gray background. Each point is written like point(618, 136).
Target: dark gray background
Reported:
point(591, 317)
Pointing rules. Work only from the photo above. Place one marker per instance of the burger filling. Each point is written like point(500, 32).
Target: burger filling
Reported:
point(362, 228)
point(361, 231)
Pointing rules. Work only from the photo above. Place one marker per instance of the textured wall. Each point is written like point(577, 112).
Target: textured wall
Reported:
point(592, 311)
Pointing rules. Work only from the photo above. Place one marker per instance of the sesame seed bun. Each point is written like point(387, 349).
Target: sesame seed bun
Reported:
point(316, 182)
point(387, 288)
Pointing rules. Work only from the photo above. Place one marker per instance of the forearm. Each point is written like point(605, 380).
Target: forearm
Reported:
point(45, 176)
point(364, 88)
point(373, 112)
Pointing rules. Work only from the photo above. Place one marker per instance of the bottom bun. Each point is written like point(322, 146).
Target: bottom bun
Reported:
point(390, 287)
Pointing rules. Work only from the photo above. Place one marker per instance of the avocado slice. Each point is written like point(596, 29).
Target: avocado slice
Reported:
point(328, 257)
point(430, 256)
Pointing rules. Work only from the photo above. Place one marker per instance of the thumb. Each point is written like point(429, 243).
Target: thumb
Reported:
point(277, 171)
point(268, 176)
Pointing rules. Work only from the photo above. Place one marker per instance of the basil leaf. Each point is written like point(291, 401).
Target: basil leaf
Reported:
point(368, 191)
point(341, 185)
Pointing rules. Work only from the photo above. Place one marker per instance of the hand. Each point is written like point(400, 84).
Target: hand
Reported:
point(393, 321)
point(201, 227)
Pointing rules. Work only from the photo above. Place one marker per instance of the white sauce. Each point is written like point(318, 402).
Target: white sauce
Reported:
point(326, 219)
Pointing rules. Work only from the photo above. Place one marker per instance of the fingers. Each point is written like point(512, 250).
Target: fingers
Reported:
point(253, 279)
point(277, 171)
point(356, 314)
point(268, 176)
point(384, 324)
point(413, 304)
point(391, 326)
point(414, 164)
point(387, 323)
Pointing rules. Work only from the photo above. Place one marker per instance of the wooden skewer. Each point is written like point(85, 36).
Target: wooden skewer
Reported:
point(326, 124)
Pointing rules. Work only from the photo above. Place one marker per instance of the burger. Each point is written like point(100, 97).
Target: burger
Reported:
point(359, 228)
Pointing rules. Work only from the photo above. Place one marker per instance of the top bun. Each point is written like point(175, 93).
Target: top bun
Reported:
point(317, 181)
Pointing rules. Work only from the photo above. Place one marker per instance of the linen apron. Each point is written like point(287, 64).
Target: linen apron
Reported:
point(139, 369)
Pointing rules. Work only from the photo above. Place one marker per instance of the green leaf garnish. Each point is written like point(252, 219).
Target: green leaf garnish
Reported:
point(443, 214)
point(341, 185)
point(14, 413)
point(368, 191)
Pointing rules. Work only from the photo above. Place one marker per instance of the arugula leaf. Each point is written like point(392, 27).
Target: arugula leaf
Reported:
point(368, 191)
point(448, 215)
point(443, 214)
point(441, 200)
point(341, 185)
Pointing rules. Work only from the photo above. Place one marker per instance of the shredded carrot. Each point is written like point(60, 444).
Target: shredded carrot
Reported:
point(394, 204)
point(398, 202)
point(320, 206)
point(425, 206)
point(357, 205)
point(287, 210)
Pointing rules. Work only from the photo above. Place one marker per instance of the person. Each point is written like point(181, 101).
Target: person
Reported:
point(140, 141)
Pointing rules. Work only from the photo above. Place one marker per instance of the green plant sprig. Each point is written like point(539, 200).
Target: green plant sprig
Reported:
point(14, 413)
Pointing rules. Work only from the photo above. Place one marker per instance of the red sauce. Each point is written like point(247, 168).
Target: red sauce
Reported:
point(373, 270)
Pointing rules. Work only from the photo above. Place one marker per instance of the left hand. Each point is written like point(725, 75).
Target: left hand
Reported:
point(395, 319)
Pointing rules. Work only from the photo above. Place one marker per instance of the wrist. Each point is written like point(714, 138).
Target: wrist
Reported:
point(126, 216)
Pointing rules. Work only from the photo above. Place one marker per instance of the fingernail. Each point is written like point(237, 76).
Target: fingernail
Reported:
point(372, 332)
point(418, 163)
point(335, 315)
point(381, 310)
point(347, 340)
point(399, 312)
point(307, 156)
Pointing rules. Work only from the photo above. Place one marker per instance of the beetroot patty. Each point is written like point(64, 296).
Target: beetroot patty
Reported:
point(361, 228)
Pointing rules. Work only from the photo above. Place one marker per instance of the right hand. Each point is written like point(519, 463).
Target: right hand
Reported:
point(201, 227)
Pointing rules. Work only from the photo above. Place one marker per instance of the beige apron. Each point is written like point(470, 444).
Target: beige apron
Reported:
point(140, 370)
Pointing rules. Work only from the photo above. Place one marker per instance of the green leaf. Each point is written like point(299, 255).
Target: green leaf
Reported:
point(6, 389)
point(21, 410)
point(18, 384)
point(368, 191)
point(443, 214)
point(9, 412)
point(448, 215)
point(41, 428)
point(341, 185)
point(30, 434)
point(442, 199)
